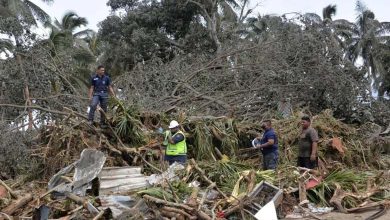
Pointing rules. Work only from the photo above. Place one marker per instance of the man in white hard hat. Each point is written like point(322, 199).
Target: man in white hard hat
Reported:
point(176, 147)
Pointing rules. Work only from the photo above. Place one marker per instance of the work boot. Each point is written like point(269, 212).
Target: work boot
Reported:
point(90, 123)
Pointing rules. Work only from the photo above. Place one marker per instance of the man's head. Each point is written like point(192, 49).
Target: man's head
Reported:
point(266, 124)
point(174, 126)
point(100, 70)
point(305, 122)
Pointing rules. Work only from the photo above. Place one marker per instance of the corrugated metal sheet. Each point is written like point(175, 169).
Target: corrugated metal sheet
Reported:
point(117, 180)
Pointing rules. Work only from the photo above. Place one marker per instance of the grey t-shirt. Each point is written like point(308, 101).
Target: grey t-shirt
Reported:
point(306, 139)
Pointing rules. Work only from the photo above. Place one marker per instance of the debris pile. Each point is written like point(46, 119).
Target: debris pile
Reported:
point(119, 172)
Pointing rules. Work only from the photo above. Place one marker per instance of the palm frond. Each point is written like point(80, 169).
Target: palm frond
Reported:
point(70, 21)
point(6, 44)
point(84, 33)
point(40, 14)
point(84, 56)
point(383, 29)
point(232, 3)
point(328, 12)
point(228, 13)
point(127, 123)
point(360, 7)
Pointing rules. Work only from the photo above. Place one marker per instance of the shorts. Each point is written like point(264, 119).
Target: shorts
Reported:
point(270, 161)
point(307, 163)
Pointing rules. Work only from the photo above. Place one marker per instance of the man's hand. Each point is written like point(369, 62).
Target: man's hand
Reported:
point(313, 157)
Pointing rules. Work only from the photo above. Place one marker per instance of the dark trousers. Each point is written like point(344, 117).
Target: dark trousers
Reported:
point(182, 159)
point(102, 100)
point(307, 163)
point(270, 160)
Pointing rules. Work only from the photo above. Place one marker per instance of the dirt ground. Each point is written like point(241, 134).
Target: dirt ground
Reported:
point(354, 216)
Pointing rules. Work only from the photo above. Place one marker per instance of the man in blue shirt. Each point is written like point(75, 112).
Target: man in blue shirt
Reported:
point(269, 146)
point(98, 94)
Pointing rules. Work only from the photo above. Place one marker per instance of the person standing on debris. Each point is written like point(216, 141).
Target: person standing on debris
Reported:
point(268, 145)
point(175, 142)
point(308, 139)
point(98, 94)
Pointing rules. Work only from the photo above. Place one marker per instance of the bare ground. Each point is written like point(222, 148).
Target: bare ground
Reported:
point(352, 216)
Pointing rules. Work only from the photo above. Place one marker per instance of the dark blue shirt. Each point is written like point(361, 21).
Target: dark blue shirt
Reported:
point(100, 84)
point(269, 134)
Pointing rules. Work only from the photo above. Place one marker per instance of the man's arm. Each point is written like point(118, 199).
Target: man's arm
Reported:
point(90, 93)
point(176, 139)
point(269, 143)
point(313, 155)
point(111, 90)
point(314, 145)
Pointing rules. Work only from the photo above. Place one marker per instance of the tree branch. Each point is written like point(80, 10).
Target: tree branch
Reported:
point(36, 107)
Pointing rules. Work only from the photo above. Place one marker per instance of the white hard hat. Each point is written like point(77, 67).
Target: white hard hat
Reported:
point(173, 124)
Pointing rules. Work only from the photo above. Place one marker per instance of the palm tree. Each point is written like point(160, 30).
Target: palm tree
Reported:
point(261, 28)
point(25, 14)
point(367, 37)
point(64, 37)
point(63, 33)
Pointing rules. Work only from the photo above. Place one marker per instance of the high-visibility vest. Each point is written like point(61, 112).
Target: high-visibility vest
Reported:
point(179, 148)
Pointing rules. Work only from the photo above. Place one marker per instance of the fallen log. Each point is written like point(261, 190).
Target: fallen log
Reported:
point(178, 211)
point(11, 192)
point(172, 215)
point(11, 209)
point(369, 206)
point(340, 194)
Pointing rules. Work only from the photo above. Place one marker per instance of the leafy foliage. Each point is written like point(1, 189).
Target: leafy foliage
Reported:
point(128, 125)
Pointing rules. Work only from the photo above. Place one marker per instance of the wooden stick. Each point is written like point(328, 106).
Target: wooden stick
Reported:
point(309, 213)
point(11, 192)
point(76, 210)
point(101, 213)
point(11, 209)
point(163, 202)
point(302, 190)
point(51, 190)
point(82, 201)
point(7, 216)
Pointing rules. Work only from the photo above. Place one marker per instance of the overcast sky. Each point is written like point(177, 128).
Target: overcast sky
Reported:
point(97, 10)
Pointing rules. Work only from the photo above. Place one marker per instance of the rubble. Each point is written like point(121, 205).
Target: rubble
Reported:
point(103, 177)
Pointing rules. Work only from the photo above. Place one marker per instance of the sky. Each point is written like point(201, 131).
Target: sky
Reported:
point(97, 10)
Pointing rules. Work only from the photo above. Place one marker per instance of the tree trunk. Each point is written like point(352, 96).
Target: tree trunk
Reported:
point(214, 32)
point(26, 92)
point(28, 102)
